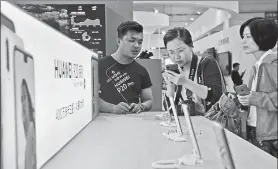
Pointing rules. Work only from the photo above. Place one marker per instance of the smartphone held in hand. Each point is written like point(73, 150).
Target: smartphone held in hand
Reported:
point(173, 68)
point(242, 90)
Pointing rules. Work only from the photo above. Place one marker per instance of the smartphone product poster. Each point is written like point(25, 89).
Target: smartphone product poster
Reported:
point(25, 114)
point(62, 74)
point(8, 123)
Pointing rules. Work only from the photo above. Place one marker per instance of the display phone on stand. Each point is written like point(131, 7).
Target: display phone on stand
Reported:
point(223, 146)
point(9, 40)
point(95, 86)
point(25, 109)
point(192, 132)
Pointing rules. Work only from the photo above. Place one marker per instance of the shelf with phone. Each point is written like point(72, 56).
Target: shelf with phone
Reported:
point(195, 158)
point(187, 159)
point(178, 134)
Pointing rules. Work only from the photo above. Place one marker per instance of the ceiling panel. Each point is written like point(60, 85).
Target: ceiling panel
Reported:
point(170, 9)
point(181, 13)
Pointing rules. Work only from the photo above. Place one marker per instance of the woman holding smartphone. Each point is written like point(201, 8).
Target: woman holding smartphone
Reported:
point(201, 76)
point(259, 37)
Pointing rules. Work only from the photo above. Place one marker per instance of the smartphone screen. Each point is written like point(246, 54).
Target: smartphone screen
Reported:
point(95, 85)
point(25, 109)
point(173, 68)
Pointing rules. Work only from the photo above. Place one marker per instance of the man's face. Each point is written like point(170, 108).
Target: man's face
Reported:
point(130, 44)
point(237, 68)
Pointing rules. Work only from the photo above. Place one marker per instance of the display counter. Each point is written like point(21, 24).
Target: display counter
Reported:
point(135, 141)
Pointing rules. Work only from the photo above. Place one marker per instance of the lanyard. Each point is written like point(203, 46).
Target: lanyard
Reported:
point(192, 73)
point(193, 67)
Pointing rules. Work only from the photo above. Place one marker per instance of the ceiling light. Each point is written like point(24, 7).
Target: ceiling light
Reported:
point(155, 11)
point(198, 12)
point(191, 19)
point(186, 24)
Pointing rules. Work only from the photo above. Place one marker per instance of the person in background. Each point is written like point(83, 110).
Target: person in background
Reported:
point(150, 55)
point(145, 55)
point(53, 23)
point(259, 37)
point(207, 88)
point(142, 54)
point(236, 77)
point(125, 85)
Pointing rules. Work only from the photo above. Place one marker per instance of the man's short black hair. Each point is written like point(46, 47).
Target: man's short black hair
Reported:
point(126, 26)
point(264, 33)
point(180, 33)
point(235, 65)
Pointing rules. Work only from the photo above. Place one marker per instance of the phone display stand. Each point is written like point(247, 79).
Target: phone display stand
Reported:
point(178, 135)
point(223, 146)
point(166, 116)
point(174, 136)
point(168, 123)
point(191, 130)
point(163, 116)
point(185, 160)
point(188, 159)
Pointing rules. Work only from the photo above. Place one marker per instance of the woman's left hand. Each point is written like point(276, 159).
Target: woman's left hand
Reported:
point(177, 79)
point(244, 100)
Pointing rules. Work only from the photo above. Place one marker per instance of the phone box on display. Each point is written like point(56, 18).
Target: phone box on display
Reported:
point(64, 92)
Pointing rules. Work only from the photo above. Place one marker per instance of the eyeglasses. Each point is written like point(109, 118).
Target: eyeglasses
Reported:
point(175, 52)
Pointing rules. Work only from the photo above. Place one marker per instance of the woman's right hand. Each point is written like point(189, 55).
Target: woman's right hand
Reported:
point(170, 87)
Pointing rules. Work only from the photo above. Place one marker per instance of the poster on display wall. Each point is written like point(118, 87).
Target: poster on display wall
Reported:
point(83, 23)
point(18, 131)
point(9, 123)
point(60, 99)
point(273, 16)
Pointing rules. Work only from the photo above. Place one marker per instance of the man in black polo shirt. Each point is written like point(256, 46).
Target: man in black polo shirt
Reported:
point(125, 85)
point(236, 78)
